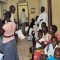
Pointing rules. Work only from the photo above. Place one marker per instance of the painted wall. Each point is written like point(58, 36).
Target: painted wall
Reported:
point(33, 4)
point(0, 10)
point(56, 13)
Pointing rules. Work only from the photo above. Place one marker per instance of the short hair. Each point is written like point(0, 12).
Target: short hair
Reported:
point(33, 20)
point(56, 39)
point(23, 9)
point(54, 28)
point(12, 6)
point(42, 8)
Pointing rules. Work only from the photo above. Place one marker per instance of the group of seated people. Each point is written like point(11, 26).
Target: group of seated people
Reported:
point(45, 38)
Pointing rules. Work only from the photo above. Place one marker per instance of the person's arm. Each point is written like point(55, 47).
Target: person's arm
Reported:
point(39, 19)
point(45, 50)
point(1, 31)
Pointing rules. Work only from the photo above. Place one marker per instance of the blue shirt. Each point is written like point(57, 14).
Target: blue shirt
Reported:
point(52, 58)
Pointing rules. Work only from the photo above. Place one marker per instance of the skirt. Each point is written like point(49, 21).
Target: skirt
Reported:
point(10, 50)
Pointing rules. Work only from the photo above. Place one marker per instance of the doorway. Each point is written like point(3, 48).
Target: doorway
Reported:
point(21, 6)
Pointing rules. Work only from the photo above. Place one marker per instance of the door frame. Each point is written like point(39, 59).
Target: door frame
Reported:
point(18, 4)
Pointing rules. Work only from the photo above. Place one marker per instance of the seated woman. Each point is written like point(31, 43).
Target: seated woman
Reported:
point(49, 49)
point(47, 37)
point(56, 55)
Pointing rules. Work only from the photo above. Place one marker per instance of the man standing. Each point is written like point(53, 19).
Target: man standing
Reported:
point(12, 10)
point(23, 20)
point(43, 17)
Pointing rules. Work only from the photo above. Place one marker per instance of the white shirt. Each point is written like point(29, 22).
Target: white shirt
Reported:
point(12, 17)
point(9, 30)
point(23, 17)
point(43, 16)
point(50, 50)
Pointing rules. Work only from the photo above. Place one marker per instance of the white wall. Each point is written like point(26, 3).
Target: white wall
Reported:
point(56, 13)
point(44, 3)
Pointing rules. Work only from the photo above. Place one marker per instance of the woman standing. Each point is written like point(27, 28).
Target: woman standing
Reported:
point(9, 42)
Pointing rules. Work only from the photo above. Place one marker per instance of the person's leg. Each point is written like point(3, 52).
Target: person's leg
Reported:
point(10, 50)
point(23, 28)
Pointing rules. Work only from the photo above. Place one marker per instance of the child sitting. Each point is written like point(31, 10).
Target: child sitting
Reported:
point(49, 49)
point(40, 34)
point(44, 38)
point(56, 55)
point(30, 29)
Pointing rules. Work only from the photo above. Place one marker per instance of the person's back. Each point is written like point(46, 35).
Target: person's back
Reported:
point(9, 30)
point(9, 41)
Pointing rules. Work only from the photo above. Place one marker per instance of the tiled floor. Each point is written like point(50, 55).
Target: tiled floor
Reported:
point(23, 49)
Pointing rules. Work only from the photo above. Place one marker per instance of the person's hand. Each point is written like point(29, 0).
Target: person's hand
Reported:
point(42, 43)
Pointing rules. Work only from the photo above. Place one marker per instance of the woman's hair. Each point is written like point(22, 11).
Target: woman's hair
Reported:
point(56, 39)
point(8, 14)
point(57, 50)
point(45, 29)
point(40, 33)
point(43, 24)
point(54, 28)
